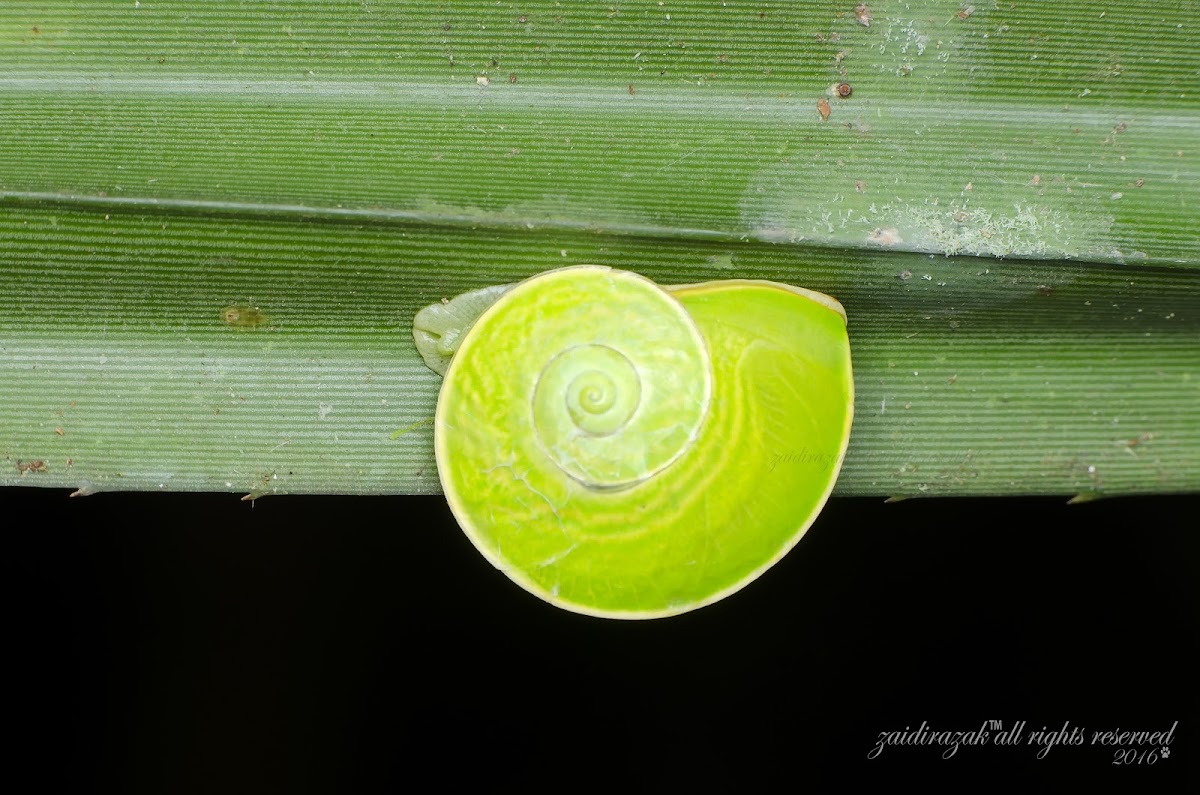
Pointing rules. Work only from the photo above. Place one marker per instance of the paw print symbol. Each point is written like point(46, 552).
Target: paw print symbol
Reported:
point(1166, 752)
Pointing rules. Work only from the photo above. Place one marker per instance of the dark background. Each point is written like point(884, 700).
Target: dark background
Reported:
point(196, 643)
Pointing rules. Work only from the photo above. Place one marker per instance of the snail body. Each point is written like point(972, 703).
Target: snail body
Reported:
point(631, 451)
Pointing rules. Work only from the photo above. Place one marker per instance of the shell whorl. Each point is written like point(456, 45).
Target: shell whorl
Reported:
point(624, 381)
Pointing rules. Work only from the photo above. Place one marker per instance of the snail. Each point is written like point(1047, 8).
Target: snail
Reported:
point(626, 450)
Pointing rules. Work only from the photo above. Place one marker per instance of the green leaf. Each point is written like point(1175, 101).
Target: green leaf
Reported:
point(337, 166)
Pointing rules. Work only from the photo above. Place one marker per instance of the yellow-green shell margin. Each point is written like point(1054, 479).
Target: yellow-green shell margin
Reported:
point(694, 486)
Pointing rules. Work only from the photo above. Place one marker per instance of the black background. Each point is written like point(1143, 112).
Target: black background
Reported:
point(196, 643)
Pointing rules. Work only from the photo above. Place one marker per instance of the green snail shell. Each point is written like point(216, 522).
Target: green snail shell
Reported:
point(631, 451)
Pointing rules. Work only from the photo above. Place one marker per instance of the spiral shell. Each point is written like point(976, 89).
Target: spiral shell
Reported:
point(626, 383)
point(625, 450)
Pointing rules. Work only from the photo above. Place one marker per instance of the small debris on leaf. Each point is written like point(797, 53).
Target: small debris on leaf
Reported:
point(242, 316)
point(885, 237)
